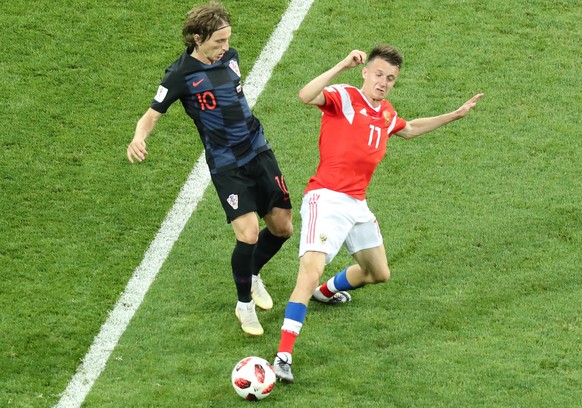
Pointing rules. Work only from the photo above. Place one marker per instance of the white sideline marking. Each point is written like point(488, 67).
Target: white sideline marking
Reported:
point(96, 358)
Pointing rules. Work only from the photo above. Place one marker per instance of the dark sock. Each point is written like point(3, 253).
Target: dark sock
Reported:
point(267, 246)
point(241, 261)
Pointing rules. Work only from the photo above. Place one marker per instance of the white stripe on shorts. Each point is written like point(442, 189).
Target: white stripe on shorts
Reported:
point(312, 221)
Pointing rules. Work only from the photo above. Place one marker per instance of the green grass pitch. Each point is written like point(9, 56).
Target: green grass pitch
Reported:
point(481, 219)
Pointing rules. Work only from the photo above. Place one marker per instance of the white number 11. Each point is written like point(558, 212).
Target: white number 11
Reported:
point(377, 130)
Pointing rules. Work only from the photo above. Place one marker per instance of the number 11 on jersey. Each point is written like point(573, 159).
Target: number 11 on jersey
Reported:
point(378, 132)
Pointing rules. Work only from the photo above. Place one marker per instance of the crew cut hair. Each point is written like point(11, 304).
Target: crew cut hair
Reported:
point(388, 53)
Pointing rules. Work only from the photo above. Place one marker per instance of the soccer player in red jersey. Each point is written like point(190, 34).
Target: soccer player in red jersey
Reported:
point(355, 127)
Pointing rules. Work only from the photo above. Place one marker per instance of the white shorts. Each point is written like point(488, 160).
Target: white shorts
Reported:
point(330, 220)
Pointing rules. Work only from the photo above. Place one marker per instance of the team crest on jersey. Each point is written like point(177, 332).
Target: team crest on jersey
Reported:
point(234, 66)
point(233, 201)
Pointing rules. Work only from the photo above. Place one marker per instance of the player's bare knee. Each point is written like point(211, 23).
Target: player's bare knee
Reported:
point(308, 280)
point(289, 230)
point(248, 237)
point(382, 275)
point(285, 231)
point(280, 223)
point(281, 229)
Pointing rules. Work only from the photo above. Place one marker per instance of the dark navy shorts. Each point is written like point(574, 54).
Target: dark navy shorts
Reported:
point(258, 186)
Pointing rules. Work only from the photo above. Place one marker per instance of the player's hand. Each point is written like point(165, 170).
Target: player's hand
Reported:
point(137, 150)
point(355, 58)
point(467, 106)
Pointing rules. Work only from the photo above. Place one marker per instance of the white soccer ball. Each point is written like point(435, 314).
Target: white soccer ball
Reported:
point(253, 378)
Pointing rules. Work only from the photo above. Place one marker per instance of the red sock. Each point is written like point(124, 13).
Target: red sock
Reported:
point(325, 291)
point(287, 341)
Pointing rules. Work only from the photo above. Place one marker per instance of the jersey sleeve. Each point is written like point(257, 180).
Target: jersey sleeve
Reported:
point(399, 125)
point(333, 99)
point(169, 91)
point(394, 122)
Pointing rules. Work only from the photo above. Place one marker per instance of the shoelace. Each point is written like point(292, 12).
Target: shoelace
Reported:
point(283, 363)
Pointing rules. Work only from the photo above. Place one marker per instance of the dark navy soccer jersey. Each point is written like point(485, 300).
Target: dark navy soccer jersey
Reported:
point(212, 96)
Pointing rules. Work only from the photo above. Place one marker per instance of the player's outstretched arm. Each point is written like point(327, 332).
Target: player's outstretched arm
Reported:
point(137, 148)
point(420, 126)
point(467, 106)
point(311, 93)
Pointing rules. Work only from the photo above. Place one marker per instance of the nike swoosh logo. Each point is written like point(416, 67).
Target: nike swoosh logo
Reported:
point(197, 82)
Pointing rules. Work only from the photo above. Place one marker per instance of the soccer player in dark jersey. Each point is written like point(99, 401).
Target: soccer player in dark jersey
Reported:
point(206, 79)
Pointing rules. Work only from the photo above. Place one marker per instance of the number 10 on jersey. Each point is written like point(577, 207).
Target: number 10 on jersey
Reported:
point(206, 100)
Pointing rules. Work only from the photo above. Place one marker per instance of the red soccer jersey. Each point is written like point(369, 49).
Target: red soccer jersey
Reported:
point(352, 140)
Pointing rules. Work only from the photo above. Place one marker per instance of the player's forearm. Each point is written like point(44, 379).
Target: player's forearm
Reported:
point(422, 126)
point(143, 130)
point(311, 93)
point(145, 126)
point(137, 148)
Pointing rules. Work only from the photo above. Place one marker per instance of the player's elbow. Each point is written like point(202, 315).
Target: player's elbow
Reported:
point(308, 98)
point(303, 97)
point(408, 133)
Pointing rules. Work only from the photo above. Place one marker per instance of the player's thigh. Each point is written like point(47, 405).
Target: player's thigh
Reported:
point(272, 192)
point(236, 192)
point(364, 235)
point(325, 224)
